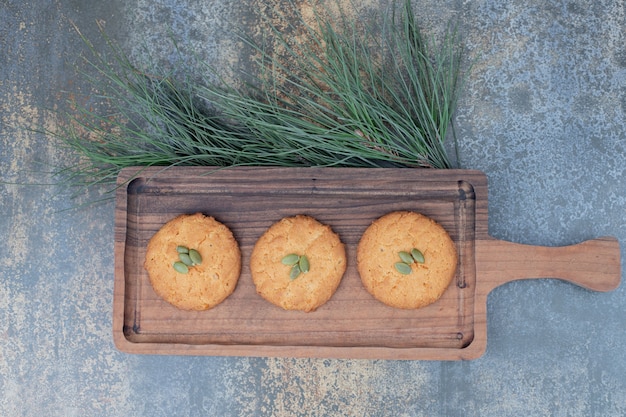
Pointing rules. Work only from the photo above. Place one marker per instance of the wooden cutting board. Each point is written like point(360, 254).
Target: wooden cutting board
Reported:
point(352, 324)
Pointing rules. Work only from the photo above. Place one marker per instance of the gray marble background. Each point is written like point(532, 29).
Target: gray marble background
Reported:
point(542, 114)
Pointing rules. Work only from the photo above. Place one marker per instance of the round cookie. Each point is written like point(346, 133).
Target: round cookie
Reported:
point(298, 236)
point(424, 281)
point(206, 284)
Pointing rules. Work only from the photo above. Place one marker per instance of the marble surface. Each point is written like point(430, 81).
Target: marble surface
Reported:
point(542, 114)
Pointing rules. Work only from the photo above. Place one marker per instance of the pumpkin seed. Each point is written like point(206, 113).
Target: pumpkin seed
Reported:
point(295, 271)
point(181, 267)
point(185, 258)
point(303, 263)
point(195, 257)
point(403, 268)
point(182, 249)
point(406, 257)
point(417, 255)
point(290, 259)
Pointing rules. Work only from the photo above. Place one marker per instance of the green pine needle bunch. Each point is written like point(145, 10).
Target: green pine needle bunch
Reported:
point(346, 94)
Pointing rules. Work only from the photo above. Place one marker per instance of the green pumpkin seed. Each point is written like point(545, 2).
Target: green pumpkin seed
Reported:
point(195, 257)
point(406, 257)
point(180, 267)
point(417, 255)
point(290, 259)
point(295, 271)
point(403, 268)
point(185, 258)
point(303, 263)
point(182, 249)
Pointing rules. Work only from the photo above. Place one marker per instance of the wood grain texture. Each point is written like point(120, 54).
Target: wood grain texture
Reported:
point(352, 324)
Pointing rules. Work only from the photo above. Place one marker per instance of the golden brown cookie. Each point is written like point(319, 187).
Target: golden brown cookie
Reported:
point(284, 250)
point(403, 280)
point(203, 285)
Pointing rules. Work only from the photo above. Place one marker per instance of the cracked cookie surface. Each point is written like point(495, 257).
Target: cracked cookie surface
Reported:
point(378, 252)
point(300, 235)
point(204, 285)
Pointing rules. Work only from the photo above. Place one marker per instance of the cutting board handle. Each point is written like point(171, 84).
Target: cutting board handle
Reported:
point(593, 264)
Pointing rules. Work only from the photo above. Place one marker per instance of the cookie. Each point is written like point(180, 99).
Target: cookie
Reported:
point(398, 279)
point(198, 286)
point(298, 263)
